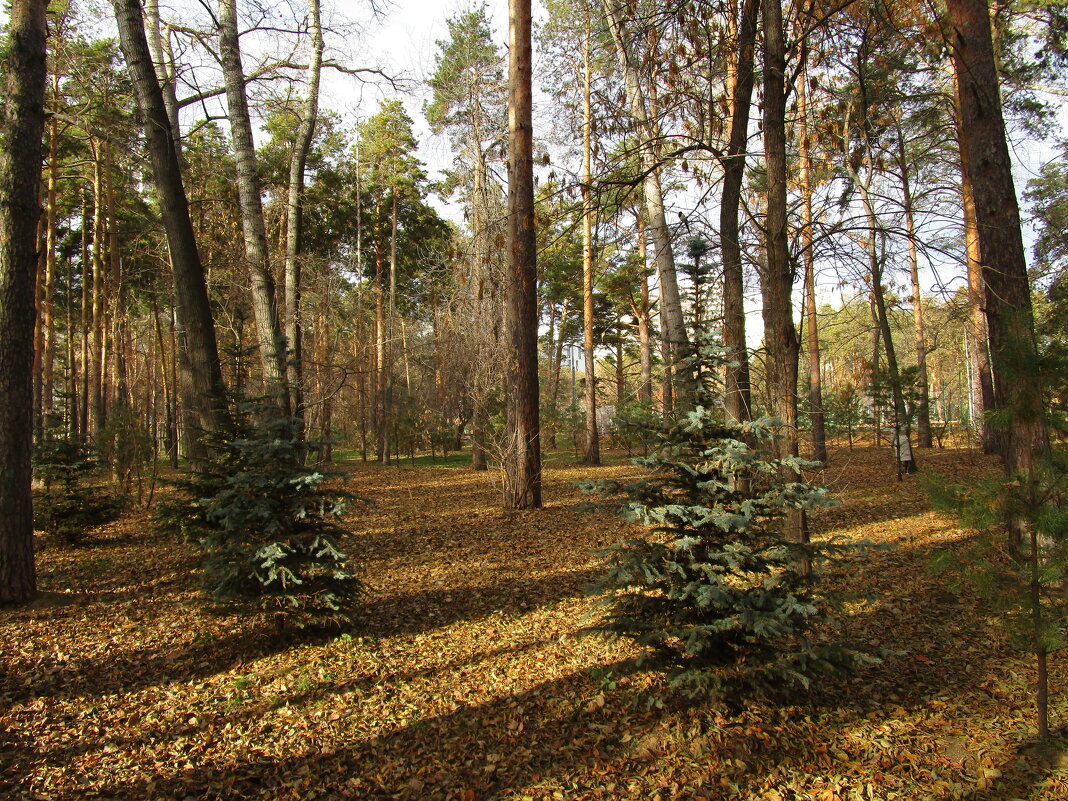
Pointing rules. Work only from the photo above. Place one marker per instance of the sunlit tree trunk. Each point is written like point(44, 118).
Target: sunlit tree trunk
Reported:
point(1010, 320)
point(523, 456)
point(981, 386)
point(674, 327)
point(22, 121)
point(203, 393)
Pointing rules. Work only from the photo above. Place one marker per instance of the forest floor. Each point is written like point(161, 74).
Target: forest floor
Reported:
point(467, 680)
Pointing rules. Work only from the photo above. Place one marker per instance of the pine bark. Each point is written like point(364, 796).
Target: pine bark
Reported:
point(982, 383)
point(780, 335)
point(22, 120)
point(1009, 317)
point(523, 457)
point(737, 393)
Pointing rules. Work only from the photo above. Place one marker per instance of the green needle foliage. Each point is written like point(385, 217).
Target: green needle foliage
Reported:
point(68, 504)
point(1027, 592)
point(716, 593)
point(267, 523)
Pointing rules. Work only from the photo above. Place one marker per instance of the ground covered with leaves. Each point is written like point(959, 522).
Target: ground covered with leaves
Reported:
point(466, 678)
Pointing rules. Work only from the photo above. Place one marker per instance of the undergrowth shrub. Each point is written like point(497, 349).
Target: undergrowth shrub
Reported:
point(715, 592)
point(266, 522)
point(69, 501)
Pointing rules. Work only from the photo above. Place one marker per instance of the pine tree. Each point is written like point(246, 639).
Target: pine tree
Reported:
point(716, 592)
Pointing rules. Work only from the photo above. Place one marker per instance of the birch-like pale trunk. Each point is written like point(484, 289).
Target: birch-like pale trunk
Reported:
point(250, 200)
point(677, 341)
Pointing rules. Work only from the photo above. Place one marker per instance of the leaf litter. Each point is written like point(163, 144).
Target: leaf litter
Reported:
point(467, 678)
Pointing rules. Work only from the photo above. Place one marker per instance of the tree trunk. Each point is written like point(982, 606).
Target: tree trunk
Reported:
point(1010, 322)
point(923, 404)
point(780, 335)
point(593, 444)
point(294, 222)
point(87, 278)
point(164, 67)
point(738, 397)
point(981, 386)
point(645, 347)
point(48, 321)
point(264, 307)
point(203, 392)
point(99, 354)
point(674, 326)
point(812, 336)
point(22, 121)
point(523, 450)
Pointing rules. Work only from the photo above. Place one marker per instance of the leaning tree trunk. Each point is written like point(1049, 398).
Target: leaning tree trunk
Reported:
point(1009, 317)
point(737, 394)
point(294, 224)
point(203, 391)
point(676, 342)
point(264, 306)
point(523, 456)
point(21, 129)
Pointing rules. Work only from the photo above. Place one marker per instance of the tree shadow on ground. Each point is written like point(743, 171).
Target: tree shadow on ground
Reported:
point(423, 610)
point(251, 638)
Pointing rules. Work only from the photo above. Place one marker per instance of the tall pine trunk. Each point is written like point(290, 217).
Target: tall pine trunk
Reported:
point(1010, 320)
point(738, 397)
point(22, 121)
point(523, 456)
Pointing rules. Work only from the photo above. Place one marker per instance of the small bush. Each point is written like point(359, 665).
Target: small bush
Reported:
point(267, 523)
point(716, 593)
point(67, 504)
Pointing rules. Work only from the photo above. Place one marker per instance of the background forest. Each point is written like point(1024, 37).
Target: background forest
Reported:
point(387, 286)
